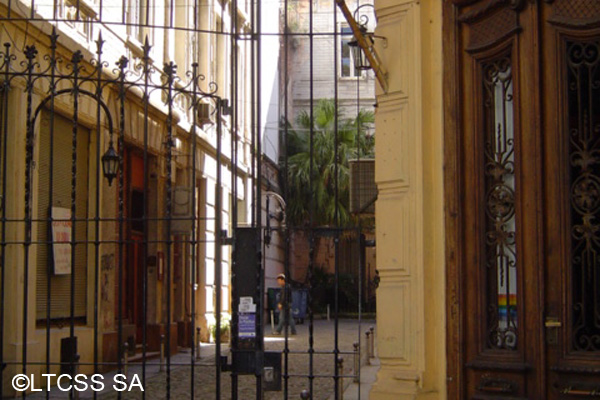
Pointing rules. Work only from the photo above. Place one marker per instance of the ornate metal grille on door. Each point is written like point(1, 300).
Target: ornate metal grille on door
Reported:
point(135, 183)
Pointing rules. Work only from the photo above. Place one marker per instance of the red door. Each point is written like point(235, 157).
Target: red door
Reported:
point(132, 282)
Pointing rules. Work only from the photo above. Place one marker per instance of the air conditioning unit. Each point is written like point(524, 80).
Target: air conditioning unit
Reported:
point(363, 190)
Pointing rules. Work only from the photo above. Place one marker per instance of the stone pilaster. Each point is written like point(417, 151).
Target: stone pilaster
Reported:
point(409, 217)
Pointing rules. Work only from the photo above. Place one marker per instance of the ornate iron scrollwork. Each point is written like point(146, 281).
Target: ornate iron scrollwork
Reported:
point(500, 219)
point(583, 123)
point(516, 4)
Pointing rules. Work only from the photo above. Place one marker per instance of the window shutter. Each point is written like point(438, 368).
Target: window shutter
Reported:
point(60, 290)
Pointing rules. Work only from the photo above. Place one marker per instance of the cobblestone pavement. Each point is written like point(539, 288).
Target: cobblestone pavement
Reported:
point(205, 374)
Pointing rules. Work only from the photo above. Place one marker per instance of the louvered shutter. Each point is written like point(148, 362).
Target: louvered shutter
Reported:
point(60, 290)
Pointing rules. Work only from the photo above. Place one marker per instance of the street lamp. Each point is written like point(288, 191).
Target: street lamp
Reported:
point(364, 53)
point(110, 163)
point(361, 62)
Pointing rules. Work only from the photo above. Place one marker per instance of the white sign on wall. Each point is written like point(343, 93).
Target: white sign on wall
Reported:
point(61, 240)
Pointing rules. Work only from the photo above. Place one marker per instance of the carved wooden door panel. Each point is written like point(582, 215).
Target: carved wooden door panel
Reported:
point(524, 141)
point(571, 109)
point(501, 158)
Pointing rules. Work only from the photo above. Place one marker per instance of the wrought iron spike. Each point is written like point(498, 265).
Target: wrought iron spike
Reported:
point(99, 43)
point(146, 48)
point(53, 38)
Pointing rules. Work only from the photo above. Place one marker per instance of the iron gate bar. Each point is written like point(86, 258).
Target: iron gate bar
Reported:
point(313, 201)
point(193, 240)
point(359, 231)
point(50, 200)
point(28, 150)
point(169, 69)
point(286, 191)
point(234, 158)
point(146, 180)
point(218, 255)
point(122, 64)
point(261, 272)
point(97, 203)
point(76, 59)
point(253, 160)
point(336, 350)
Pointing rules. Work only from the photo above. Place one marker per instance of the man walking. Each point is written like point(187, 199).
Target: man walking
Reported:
point(283, 305)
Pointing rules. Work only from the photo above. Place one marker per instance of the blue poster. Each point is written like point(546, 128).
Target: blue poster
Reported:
point(247, 325)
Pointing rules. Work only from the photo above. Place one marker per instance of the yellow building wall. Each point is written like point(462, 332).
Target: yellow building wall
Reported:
point(409, 211)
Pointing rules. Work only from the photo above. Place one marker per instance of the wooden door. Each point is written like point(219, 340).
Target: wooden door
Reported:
point(134, 309)
point(571, 109)
point(132, 281)
point(523, 198)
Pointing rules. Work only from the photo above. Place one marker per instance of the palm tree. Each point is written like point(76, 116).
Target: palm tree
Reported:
point(318, 189)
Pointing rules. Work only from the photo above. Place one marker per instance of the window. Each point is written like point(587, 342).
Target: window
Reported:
point(500, 196)
point(582, 136)
point(139, 16)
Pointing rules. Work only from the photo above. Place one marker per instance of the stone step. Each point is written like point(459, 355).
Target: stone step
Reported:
point(139, 356)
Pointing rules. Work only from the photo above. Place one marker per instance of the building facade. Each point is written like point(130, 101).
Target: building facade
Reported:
point(324, 69)
point(94, 268)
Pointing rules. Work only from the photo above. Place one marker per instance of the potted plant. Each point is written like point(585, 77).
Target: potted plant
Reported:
point(225, 329)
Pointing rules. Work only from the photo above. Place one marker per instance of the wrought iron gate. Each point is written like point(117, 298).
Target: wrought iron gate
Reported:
point(139, 210)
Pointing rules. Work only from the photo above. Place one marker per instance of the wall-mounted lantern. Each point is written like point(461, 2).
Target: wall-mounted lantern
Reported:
point(361, 62)
point(110, 163)
point(365, 55)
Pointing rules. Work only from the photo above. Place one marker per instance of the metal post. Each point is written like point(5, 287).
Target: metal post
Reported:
point(368, 346)
point(162, 353)
point(356, 361)
point(305, 394)
point(272, 321)
point(75, 372)
point(328, 313)
point(125, 357)
point(372, 329)
point(198, 345)
point(340, 362)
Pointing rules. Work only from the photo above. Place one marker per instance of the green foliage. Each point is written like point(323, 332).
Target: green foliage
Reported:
point(326, 186)
point(323, 290)
point(225, 327)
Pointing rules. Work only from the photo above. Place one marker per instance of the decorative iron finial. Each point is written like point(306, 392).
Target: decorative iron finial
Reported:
point(30, 52)
point(53, 38)
point(146, 48)
point(99, 43)
point(77, 57)
point(170, 69)
point(123, 63)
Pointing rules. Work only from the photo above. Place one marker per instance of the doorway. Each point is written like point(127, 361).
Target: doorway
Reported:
point(524, 137)
point(134, 252)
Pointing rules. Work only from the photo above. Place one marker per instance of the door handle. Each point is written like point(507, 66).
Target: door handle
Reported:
point(552, 325)
point(580, 392)
point(552, 322)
